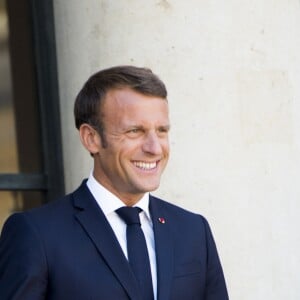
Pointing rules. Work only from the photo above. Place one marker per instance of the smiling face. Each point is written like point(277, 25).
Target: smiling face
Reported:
point(137, 147)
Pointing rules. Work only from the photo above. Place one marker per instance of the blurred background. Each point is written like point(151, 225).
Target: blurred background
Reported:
point(232, 70)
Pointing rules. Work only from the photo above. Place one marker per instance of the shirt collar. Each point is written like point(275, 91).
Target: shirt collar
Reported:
point(108, 202)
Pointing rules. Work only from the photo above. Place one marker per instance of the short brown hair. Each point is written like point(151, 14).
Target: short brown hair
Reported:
point(87, 108)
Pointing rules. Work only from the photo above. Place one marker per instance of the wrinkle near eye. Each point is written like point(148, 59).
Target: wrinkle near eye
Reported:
point(134, 132)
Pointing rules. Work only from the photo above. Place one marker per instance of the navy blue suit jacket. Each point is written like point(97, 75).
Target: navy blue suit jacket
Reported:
point(67, 250)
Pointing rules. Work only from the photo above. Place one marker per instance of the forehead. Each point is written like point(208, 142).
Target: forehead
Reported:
point(129, 106)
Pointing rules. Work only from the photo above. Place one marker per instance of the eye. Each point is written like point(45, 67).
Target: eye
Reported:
point(134, 132)
point(163, 130)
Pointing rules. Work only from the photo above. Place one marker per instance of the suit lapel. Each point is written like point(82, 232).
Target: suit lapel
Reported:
point(92, 219)
point(163, 248)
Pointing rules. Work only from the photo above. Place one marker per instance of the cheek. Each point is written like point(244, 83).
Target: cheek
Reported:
point(166, 146)
point(130, 147)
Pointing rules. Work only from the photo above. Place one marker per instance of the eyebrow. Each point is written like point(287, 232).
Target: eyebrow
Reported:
point(166, 127)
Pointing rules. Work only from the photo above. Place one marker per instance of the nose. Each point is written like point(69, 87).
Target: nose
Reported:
point(152, 144)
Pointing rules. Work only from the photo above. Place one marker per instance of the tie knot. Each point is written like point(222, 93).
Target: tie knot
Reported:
point(129, 214)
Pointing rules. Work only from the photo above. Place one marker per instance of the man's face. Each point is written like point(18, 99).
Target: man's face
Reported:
point(136, 131)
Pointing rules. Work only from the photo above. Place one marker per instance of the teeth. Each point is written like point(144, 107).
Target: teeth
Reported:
point(144, 165)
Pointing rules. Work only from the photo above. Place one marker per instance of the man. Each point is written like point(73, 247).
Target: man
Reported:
point(81, 246)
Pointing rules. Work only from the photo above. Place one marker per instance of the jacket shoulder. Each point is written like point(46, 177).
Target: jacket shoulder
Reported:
point(173, 208)
point(178, 216)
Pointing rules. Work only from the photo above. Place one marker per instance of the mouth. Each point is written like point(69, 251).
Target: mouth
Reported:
point(146, 166)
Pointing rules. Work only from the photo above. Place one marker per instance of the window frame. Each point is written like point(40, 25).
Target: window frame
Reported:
point(51, 180)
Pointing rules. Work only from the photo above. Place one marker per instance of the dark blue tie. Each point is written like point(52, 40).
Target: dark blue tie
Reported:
point(137, 249)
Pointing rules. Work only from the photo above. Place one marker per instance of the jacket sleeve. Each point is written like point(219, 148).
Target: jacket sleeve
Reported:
point(23, 267)
point(215, 282)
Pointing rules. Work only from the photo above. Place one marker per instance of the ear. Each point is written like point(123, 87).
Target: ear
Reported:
point(90, 138)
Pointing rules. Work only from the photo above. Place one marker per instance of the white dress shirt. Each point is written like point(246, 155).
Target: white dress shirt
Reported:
point(109, 203)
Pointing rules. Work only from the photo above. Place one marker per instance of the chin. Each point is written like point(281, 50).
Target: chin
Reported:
point(146, 186)
point(151, 188)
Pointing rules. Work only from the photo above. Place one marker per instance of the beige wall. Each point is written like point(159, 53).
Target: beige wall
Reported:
point(233, 71)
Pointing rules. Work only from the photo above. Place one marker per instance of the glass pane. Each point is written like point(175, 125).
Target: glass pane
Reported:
point(8, 149)
point(13, 201)
point(25, 97)
point(6, 206)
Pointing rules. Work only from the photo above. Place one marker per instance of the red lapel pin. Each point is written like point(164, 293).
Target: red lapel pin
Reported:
point(162, 220)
